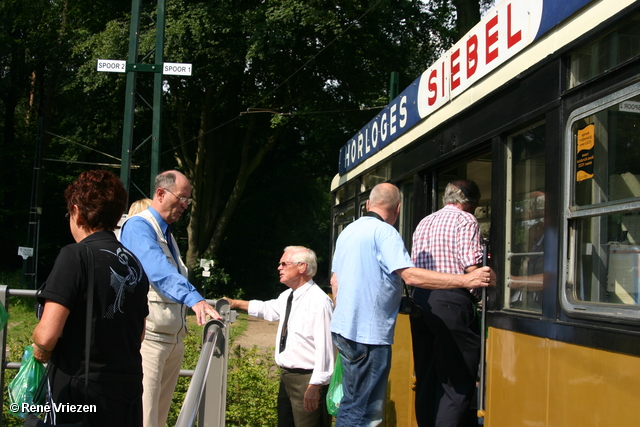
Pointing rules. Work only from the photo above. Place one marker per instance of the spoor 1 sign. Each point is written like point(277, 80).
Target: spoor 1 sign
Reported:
point(175, 69)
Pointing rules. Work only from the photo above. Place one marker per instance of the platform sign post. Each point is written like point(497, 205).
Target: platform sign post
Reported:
point(131, 68)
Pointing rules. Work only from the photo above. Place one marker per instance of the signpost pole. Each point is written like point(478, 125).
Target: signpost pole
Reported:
point(129, 103)
point(157, 96)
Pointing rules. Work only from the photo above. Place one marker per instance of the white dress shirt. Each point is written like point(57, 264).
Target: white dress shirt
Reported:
point(309, 344)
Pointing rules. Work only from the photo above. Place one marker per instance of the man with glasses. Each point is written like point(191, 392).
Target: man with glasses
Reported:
point(148, 235)
point(304, 351)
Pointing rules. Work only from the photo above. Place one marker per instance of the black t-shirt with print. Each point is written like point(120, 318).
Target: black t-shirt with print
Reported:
point(119, 309)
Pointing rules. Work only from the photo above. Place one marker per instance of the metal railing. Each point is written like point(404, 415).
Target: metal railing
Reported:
point(206, 396)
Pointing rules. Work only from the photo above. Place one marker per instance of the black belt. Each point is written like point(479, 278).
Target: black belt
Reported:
point(297, 371)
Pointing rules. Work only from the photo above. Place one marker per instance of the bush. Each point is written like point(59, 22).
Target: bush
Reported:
point(252, 388)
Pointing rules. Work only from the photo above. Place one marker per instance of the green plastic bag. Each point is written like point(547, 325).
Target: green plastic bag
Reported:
point(334, 394)
point(24, 387)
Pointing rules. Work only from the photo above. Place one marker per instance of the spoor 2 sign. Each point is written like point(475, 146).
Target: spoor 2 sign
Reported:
point(112, 65)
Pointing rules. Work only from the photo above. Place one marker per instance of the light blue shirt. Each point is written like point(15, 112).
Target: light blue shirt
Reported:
point(139, 237)
point(368, 252)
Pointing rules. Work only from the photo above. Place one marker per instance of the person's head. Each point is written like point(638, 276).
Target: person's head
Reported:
point(385, 201)
point(172, 195)
point(139, 206)
point(297, 266)
point(462, 192)
point(95, 201)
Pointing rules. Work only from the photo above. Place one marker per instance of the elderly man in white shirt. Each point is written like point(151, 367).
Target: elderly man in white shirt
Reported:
point(304, 350)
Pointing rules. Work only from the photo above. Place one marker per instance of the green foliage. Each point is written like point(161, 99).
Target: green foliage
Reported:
point(252, 388)
point(216, 285)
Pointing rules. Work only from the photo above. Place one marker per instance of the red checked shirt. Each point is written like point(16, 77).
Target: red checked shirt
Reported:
point(447, 241)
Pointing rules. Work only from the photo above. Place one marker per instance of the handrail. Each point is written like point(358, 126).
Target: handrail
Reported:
point(196, 389)
point(211, 377)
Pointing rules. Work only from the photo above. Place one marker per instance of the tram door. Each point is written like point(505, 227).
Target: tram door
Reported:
point(401, 397)
point(477, 170)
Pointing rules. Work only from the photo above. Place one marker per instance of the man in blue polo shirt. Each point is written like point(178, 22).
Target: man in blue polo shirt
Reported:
point(369, 264)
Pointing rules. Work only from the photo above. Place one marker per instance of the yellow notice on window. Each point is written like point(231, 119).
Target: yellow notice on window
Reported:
point(585, 156)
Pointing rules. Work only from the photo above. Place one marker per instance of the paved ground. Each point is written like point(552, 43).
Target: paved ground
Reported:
point(259, 332)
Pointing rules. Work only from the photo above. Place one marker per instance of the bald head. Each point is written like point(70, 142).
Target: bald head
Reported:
point(385, 201)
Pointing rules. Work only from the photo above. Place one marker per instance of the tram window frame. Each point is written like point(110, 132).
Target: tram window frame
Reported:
point(406, 224)
point(605, 53)
point(592, 285)
point(525, 219)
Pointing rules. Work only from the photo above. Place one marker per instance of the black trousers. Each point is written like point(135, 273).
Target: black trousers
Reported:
point(115, 403)
point(446, 351)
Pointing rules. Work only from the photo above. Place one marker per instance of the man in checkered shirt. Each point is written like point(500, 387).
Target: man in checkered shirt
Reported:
point(446, 337)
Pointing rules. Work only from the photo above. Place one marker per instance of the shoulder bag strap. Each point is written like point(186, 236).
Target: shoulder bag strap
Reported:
point(87, 335)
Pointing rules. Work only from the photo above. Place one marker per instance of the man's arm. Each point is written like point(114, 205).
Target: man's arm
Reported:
point(140, 238)
point(428, 279)
point(334, 287)
point(238, 303)
point(324, 355)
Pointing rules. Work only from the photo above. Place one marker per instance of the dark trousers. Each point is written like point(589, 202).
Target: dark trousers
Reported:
point(446, 351)
point(291, 413)
point(115, 403)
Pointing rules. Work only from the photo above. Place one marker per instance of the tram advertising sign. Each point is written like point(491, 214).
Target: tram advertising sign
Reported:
point(505, 31)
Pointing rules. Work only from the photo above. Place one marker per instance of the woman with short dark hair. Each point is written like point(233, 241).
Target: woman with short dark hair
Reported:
point(95, 203)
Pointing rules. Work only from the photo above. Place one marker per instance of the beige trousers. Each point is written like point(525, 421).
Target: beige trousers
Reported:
point(161, 363)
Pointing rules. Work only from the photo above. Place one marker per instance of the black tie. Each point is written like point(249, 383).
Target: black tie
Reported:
point(285, 327)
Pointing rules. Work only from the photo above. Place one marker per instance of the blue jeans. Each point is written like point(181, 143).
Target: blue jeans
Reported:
point(365, 371)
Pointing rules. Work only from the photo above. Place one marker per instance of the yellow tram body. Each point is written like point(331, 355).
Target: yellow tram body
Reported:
point(533, 381)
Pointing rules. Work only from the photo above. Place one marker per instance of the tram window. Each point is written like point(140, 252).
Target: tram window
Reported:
point(380, 174)
point(604, 217)
point(342, 218)
point(525, 221)
point(405, 223)
point(479, 171)
point(344, 193)
point(606, 52)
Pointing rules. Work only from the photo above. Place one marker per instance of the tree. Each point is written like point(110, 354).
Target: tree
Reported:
point(291, 58)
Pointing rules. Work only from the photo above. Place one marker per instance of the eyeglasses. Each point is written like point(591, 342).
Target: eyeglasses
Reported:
point(285, 264)
point(67, 216)
point(182, 199)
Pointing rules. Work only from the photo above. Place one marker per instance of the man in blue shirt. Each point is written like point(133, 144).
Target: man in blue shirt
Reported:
point(369, 264)
point(148, 236)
